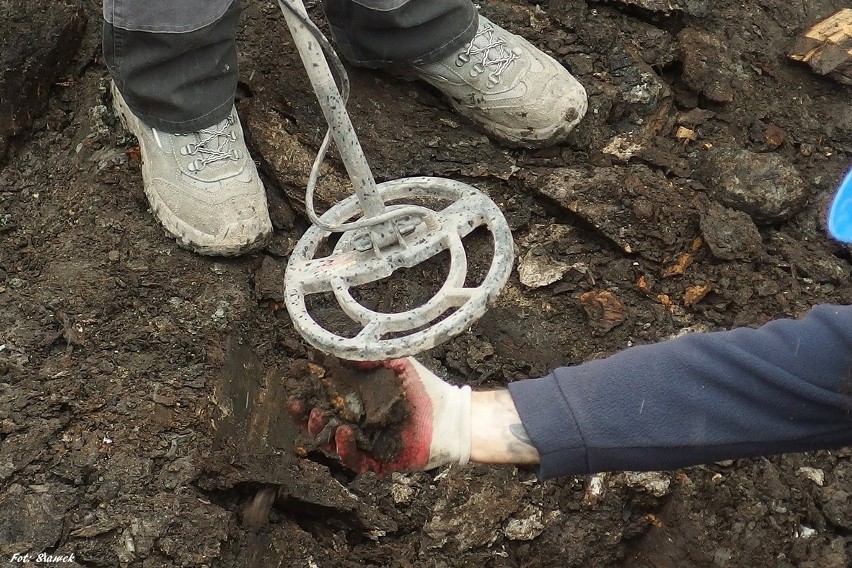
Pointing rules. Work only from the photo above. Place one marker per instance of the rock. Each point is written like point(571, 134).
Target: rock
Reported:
point(837, 507)
point(706, 65)
point(827, 47)
point(656, 483)
point(691, 7)
point(805, 532)
point(269, 280)
point(814, 474)
point(766, 136)
point(37, 41)
point(403, 488)
point(547, 249)
point(536, 268)
point(765, 186)
point(622, 147)
point(623, 203)
point(684, 133)
point(695, 294)
point(529, 523)
point(596, 488)
point(641, 89)
point(729, 234)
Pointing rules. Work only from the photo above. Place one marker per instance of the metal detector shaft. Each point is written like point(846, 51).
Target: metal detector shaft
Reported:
point(334, 110)
point(374, 240)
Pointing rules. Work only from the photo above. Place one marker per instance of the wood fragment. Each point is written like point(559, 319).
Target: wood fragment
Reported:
point(604, 309)
point(827, 47)
point(695, 294)
point(685, 133)
point(679, 267)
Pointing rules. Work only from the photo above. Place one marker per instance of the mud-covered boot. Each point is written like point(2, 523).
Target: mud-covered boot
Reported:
point(203, 187)
point(511, 89)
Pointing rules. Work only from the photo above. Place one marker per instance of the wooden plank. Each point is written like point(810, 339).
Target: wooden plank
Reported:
point(827, 47)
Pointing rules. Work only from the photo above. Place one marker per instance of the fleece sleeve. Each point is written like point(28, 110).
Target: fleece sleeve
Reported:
point(704, 397)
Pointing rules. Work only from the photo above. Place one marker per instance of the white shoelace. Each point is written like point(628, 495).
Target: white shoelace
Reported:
point(214, 144)
point(494, 55)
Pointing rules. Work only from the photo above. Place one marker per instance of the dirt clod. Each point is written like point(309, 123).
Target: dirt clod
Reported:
point(369, 399)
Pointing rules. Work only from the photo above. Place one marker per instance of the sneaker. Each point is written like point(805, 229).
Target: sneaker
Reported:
point(509, 88)
point(203, 187)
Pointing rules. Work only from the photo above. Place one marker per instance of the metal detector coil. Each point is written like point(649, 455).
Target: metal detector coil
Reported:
point(384, 228)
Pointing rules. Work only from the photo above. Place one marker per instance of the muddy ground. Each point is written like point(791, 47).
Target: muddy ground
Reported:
point(141, 408)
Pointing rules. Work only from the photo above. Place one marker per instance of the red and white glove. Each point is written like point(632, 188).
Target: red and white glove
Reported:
point(436, 432)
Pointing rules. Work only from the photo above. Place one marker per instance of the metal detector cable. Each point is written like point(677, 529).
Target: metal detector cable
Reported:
point(394, 212)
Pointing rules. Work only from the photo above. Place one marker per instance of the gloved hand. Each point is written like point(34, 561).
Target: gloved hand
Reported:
point(437, 430)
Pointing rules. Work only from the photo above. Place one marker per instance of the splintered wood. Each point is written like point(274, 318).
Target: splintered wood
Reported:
point(827, 47)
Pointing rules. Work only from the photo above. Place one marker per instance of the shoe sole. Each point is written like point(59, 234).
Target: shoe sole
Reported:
point(186, 236)
point(523, 138)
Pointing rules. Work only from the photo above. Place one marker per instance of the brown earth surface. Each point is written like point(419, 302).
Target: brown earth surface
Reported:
point(142, 414)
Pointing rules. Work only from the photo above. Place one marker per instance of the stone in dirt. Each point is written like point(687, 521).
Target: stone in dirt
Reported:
point(634, 207)
point(537, 268)
point(641, 89)
point(765, 186)
point(269, 280)
point(730, 234)
point(706, 64)
point(691, 7)
point(31, 519)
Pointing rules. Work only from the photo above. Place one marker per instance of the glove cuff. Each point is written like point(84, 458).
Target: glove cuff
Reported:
point(465, 425)
point(451, 427)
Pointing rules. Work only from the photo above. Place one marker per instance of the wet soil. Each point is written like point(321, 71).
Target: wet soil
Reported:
point(142, 410)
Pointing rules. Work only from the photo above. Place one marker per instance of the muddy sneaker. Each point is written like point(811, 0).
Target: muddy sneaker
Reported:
point(509, 88)
point(202, 187)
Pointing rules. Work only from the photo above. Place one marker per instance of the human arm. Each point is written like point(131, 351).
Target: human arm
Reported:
point(704, 397)
point(701, 398)
point(498, 435)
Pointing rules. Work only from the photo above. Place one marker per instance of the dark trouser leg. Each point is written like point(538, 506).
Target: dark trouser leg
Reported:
point(174, 81)
point(381, 33)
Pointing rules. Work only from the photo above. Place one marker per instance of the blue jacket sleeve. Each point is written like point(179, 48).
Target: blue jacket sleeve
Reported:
point(704, 397)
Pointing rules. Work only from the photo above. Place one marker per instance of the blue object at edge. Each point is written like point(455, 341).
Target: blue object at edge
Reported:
point(840, 214)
